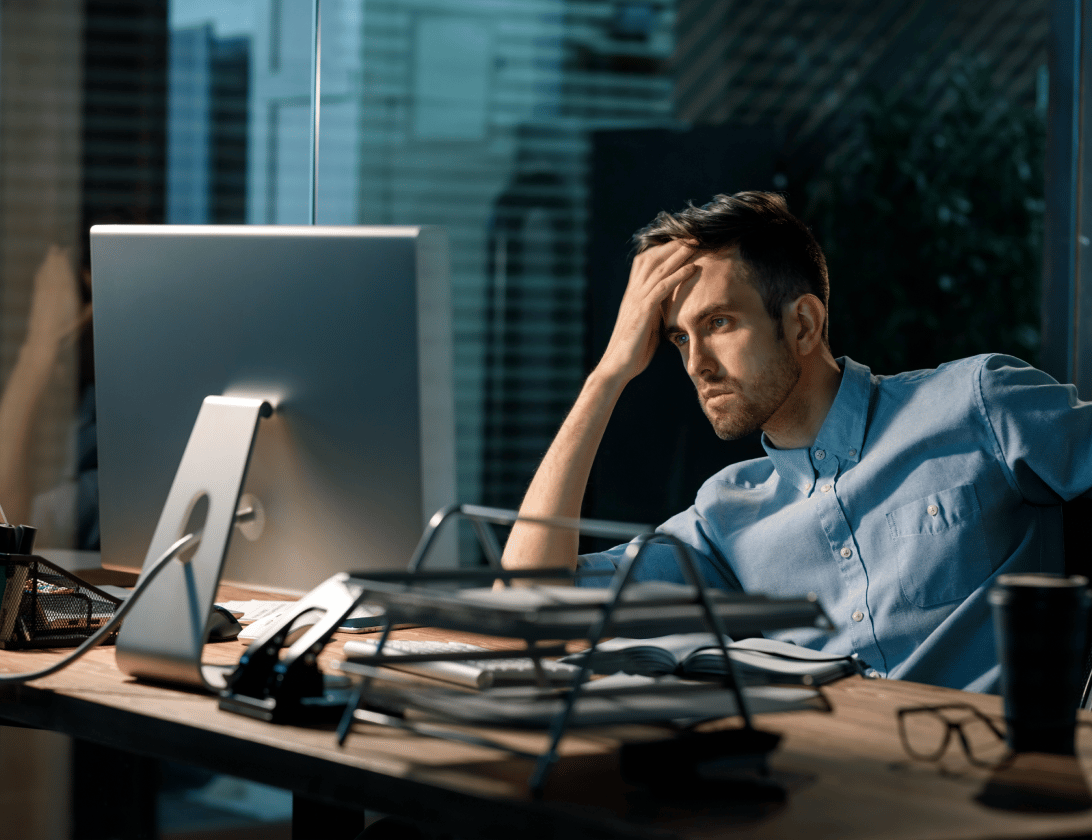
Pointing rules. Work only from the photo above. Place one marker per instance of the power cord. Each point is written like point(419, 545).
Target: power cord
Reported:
point(109, 627)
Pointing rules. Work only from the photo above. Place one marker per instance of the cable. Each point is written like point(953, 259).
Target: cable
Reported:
point(103, 632)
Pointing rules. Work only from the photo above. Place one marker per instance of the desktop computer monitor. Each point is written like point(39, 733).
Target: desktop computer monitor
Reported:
point(345, 331)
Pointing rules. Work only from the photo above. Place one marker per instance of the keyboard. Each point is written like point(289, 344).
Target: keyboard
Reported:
point(472, 673)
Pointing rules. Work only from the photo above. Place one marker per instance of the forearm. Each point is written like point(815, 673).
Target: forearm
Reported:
point(557, 489)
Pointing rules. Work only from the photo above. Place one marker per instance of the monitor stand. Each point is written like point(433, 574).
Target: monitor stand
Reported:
point(162, 637)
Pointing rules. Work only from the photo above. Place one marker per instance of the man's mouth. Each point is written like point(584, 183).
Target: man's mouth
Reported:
point(715, 398)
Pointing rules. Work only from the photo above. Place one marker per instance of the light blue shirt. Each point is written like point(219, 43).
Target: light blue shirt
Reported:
point(919, 489)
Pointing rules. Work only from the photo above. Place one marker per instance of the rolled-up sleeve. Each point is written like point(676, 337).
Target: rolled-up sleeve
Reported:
point(1042, 431)
point(660, 560)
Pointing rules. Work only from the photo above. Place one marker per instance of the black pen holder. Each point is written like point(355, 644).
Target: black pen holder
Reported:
point(42, 605)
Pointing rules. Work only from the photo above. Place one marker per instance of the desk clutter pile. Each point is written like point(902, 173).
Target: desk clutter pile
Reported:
point(543, 616)
point(671, 659)
point(287, 686)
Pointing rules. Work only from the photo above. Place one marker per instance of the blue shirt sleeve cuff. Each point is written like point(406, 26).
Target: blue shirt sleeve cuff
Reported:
point(596, 562)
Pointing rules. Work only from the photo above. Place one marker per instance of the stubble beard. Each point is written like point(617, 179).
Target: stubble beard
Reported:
point(753, 404)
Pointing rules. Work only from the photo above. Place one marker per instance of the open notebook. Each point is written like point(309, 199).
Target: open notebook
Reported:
point(695, 655)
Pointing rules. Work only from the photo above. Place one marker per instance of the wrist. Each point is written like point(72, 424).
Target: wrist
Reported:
point(608, 380)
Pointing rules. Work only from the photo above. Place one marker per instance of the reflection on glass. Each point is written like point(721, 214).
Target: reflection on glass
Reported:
point(58, 316)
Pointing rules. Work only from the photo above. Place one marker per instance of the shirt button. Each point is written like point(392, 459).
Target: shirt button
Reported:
point(820, 454)
point(873, 674)
point(848, 552)
point(933, 510)
point(858, 616)
point(825, 488)
point(852, 452)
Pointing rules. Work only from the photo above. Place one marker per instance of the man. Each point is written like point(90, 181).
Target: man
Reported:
point(895, 499)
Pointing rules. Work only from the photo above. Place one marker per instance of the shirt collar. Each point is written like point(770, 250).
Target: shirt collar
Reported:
point(840, 441)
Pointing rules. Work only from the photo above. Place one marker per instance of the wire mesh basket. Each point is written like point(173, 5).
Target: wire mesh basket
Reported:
point(42, 605)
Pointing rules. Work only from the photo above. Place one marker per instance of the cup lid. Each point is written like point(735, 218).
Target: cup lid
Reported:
point(1041, 580)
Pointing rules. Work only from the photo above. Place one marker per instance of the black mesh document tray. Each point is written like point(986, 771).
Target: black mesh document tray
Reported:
point(567, 612)
point(42, 605)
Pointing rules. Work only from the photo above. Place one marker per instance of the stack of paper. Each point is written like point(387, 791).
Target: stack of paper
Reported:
point(697, 656)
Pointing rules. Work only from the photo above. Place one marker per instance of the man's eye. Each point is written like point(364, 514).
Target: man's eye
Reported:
point(679, 339)
point(720, 322)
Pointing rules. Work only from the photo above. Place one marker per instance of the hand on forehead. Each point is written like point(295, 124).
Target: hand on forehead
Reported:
point(717, 275)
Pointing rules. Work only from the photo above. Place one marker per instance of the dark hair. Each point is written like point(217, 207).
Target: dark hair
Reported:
point(783, 259)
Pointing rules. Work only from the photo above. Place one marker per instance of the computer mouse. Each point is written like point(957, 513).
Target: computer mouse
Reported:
point(222, 625)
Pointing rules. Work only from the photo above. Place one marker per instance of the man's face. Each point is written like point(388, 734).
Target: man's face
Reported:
point(743, 373)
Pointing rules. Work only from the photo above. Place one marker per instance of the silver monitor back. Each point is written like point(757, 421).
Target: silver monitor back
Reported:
point(346, 331)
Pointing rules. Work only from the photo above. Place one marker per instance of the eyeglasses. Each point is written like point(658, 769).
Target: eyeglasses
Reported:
point(927, 730)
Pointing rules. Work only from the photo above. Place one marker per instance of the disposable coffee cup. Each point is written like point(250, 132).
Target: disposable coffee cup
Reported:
point(1041, 622)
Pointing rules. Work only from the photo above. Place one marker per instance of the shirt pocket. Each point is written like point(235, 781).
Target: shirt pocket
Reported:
point(940, 546)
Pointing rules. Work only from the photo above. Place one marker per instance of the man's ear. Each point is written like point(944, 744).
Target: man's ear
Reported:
point(804, 320)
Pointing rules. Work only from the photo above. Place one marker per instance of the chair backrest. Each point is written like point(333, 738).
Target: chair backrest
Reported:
point(1076, 531)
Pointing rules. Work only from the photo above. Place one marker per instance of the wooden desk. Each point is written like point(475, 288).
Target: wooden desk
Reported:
point(846, 773)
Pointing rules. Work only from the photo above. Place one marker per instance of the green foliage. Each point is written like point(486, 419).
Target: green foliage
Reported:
point(933, 225)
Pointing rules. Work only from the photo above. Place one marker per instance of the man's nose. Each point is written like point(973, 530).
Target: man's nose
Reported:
point(700, 361)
